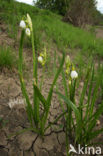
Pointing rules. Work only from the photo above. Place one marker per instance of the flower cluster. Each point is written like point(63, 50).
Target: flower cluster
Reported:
point(27, 25)
point(43, 57)
point(67, 64)
point(70, 70)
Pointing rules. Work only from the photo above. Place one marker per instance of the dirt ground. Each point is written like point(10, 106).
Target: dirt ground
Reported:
point(99, 32)
point(14, 119)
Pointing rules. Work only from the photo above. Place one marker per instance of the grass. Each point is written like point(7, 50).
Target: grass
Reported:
point(51, 29)
point(7, 58)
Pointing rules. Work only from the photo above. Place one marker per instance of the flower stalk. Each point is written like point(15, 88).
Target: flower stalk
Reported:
point(37, 121)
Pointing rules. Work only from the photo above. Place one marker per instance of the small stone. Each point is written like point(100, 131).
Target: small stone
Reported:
point(98, 122)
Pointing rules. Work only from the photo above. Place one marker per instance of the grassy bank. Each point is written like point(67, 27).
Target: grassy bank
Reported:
point(50, 28)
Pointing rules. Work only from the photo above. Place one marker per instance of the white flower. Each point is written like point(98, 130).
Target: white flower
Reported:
point(27, 31)
point(22, 24)
point(74, 74)
point(40, 59)
point(29, 21)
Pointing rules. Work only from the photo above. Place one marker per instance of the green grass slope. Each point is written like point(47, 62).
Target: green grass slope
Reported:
point(49, 28)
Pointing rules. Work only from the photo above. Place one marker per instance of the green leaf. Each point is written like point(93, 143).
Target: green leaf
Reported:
point(84, 91)
point(40, 96)
point(21, 51)
point(94, 134)
point(91, 122)
point(29, 106)
point(51, 90)
point(94, 97)
point(64, 83)
point(54, 81)
point(71, 105)
point(89, 93)
point(77, 115)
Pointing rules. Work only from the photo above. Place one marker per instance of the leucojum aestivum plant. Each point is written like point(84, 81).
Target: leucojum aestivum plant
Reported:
point(82, 116)
point(37, 118)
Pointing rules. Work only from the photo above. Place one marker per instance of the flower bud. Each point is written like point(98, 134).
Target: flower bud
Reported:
point(69, 82)
point(27, 31)
point(67, 59)
point(40, 59)
point(29, 21)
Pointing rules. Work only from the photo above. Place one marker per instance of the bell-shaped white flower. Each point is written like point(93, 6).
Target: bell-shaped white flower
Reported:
point(27, 31)
point(74, 74)
point(40, 59)
point(22, 24)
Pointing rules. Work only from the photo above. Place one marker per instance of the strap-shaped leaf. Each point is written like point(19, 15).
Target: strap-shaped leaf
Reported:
point(84, 91)
point(70, 104)
point(51, 89)
point(95, 134)
point(77, 115)
point(54, 81)
point(93, 119)
point(40, 96)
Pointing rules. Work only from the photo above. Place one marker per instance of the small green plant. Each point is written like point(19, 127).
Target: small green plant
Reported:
point(100, 72)
point(81, 117)
point(7, 58)
point(37, 118)
point(2, 122)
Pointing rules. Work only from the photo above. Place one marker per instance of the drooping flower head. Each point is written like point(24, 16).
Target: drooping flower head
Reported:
point(27, 25)
point(43, 57)
point(74, 74)
point(22, 24)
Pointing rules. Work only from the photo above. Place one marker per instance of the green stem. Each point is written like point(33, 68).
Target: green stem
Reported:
point(42, 79)
point(23, 88)
point(35, 98)
point(34, 56)
point(51, 91)
point(21, 51)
